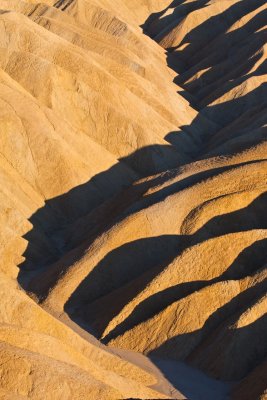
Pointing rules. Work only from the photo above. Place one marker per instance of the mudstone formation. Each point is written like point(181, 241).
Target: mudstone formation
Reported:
point(133, 176)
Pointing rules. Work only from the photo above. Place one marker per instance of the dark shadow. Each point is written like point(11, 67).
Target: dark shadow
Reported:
point(240, 50)
point(182, 184)
point(200, 143)
point(243, 266)
point(113, 281)
point(120, 276)
point(191, 382)
point(125, 264)
point(248, 262)
point(54, 236)
point(158, 23)
point(53, 224)
point(255, 383)
point(256, 351)
point(153, 305)
point(219, 321)
point(230, 82)
point(182, 375)
point(226, 112)
point(66, 225)
point(63, 4)
point(47, 242)
point(236, 49)
point(250, 125)
point(212, 28)
point(251, 217)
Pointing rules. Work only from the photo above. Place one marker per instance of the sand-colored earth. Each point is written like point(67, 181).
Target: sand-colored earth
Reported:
point(133, 193)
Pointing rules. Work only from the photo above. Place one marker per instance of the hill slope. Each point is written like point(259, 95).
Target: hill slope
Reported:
point(133, 192)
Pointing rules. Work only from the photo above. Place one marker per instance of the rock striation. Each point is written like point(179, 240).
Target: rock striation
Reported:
point(133, 177)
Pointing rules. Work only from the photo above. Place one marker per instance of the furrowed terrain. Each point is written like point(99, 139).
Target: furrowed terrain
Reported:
point(133, 177)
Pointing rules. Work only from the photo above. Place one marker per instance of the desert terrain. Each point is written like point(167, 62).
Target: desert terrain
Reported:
point(133, 195)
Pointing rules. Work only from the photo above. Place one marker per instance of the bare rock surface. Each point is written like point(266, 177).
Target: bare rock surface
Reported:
point(133, 178)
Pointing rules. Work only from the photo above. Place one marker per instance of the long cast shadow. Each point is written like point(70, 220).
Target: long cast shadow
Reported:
point(158, 24)
point(219, 320)
point(54, 226)
point(50, 223)
point(224, 114)
point(246, 263)
point(237, 48)
point(47, 241)
point(214, 27)
point(182, 379)
point(242, 266)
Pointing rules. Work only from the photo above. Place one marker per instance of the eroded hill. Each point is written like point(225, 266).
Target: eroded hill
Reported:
point(133, 195)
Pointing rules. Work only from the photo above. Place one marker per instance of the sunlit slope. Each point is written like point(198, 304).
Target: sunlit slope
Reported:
point(133, 178)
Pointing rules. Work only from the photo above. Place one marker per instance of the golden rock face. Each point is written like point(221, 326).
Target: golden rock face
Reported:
point(133, 176)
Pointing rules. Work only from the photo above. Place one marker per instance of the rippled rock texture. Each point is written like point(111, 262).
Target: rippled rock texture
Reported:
point(133, 176)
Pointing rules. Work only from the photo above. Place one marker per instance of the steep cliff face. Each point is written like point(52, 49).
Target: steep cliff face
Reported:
point(133, 177)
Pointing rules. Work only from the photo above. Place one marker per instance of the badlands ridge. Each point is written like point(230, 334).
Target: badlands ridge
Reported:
point(133, 170)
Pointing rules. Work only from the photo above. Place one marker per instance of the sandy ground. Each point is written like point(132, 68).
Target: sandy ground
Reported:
point(175, 379)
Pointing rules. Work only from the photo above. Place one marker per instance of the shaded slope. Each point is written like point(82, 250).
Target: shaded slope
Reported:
point(133, 195)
